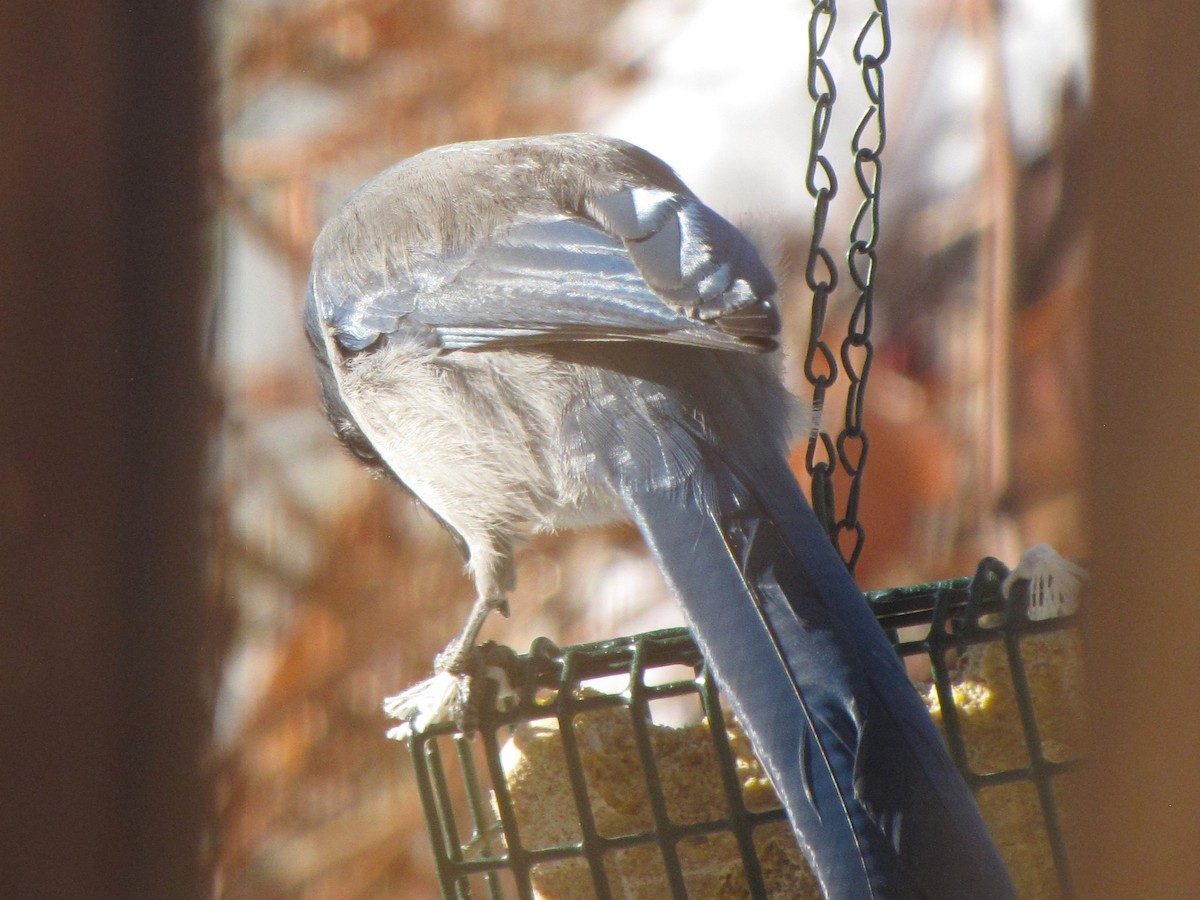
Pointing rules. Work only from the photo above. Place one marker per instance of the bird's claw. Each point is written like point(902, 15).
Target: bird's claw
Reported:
point(454, 693)
point(442, 698)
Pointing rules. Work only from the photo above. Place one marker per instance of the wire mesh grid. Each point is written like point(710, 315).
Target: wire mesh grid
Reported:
point(496, 835)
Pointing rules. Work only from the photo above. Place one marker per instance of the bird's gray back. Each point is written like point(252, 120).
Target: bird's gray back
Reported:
point(558, 424)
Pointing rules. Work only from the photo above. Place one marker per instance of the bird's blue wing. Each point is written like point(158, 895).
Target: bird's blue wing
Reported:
point(646, 265)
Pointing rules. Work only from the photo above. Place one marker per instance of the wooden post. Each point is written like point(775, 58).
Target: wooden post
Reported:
point(1142, 622)
point(103, 721)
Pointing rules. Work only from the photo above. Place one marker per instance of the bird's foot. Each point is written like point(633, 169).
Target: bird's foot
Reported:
point(442, 698)
point(455, 692)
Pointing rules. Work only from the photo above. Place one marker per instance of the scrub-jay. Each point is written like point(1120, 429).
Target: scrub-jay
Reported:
point(554, 332)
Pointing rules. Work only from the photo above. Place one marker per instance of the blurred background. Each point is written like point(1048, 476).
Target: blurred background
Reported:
point(163, 169)
point(335, 591)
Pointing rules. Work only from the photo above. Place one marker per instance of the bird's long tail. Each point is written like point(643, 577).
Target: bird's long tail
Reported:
point(875, 800)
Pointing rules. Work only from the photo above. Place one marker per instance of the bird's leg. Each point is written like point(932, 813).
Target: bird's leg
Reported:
point(495, 574)
point(456, 658)
point(447, 696)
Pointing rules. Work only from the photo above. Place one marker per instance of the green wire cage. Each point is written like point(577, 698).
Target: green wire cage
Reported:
point(587, 716)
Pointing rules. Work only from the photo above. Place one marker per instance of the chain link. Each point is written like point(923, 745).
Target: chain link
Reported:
point(857, 351)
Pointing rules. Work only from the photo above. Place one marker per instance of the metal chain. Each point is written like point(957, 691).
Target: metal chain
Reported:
point(857, 351)
point(821, 273)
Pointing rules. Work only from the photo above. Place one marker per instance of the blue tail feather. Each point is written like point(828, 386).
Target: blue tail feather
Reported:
point(876, 802)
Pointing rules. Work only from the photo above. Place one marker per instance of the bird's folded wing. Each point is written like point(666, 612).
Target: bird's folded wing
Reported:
point(675, 271)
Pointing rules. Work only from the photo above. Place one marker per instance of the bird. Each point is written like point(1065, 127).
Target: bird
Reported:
point(555, 332)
